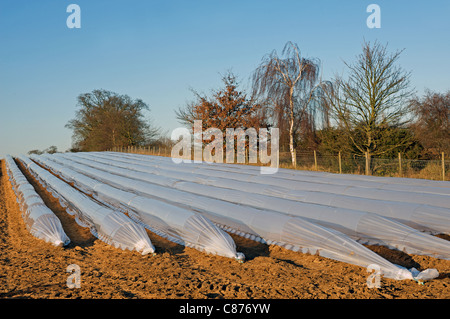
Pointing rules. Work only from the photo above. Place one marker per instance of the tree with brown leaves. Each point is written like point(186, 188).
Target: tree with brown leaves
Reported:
point(227, 108)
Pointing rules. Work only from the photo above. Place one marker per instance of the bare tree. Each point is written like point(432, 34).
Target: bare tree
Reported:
point(372, 101)
point(288, 82)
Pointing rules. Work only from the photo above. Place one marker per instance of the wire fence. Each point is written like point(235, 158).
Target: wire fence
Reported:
point(377, 166)
point(341, 163)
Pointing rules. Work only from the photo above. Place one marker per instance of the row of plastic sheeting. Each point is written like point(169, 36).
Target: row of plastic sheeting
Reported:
point(420, 194)
point(424, 217)
point(440, 188)
point(367, 228)
point(175, 223)
point(39, 220)
point(267, 226)
point(333, 177)
point(110, 226)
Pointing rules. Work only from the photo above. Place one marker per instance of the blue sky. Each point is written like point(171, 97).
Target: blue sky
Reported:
point(158, 50)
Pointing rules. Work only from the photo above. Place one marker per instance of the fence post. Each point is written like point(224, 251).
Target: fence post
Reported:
point(340, 163)
point(443, 167)
point(400, 171)
point(315, 160)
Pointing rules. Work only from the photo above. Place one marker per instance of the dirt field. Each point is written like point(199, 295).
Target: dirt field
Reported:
point(31, 268)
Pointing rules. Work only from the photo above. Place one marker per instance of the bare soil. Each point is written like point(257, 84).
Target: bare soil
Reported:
point(31, 268)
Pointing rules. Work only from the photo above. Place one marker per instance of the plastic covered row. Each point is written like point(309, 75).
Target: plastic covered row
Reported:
point(424, 217)
point(175, 223)
point(297, 175)
point(110, 226)
point(284, 172)
point(296, 233)
point(349, 188)
point(39, 220)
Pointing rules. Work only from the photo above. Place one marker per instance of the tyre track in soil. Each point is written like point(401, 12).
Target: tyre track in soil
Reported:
point(31, 268)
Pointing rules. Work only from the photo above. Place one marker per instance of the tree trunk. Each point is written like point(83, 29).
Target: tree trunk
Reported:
point(291, 129)
point(368, 162)
point(114, 137)
point(368, 154)
point(291, 145)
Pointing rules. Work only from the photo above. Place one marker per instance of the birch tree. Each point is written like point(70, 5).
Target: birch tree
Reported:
point(289, 82)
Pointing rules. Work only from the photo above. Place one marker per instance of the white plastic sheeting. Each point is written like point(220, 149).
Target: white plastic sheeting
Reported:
point(39, 220)
point(108, 225)
point(432, 219)
point(384, 191)
point(284, 172)
point(365, 227)
point(318, 177)
point(267, 226)
point(172, 222)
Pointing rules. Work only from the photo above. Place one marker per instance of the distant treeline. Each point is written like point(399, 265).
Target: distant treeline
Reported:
point(373, 110)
